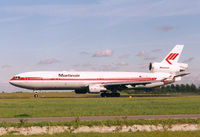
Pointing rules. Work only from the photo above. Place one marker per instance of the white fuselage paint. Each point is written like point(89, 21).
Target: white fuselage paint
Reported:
point(63, 80)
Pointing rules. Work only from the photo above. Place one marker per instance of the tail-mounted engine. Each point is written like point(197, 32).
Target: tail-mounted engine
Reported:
point(160, 67)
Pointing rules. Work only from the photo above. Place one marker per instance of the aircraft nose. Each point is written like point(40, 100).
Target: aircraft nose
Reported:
point(12, 82)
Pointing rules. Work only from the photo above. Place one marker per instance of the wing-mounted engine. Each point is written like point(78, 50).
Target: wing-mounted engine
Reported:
point(161, 67)
point(96, 88)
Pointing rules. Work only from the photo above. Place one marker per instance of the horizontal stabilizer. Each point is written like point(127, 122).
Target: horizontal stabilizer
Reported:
point(182, 75)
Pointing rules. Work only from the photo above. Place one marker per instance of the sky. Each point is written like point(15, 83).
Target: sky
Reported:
point(95, 35)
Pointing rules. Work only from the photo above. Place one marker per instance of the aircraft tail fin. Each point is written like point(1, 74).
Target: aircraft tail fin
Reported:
point(174, 55)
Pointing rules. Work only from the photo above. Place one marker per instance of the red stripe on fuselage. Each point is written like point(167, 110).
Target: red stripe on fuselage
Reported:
point(82, 79)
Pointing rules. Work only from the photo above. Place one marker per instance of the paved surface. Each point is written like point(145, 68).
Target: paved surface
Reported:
point(89, 118)
point(67, 95)
point(98, 96)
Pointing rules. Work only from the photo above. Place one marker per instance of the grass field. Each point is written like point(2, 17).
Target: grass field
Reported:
point(135, 134)
point(54, 107)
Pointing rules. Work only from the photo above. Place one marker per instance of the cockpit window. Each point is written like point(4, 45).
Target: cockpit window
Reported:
point(16, 77)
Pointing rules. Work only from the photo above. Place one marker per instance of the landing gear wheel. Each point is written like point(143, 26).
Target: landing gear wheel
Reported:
point(36, 96)
point(103, 95)
point(108, 95)
point(117, 94)
point(114, 94)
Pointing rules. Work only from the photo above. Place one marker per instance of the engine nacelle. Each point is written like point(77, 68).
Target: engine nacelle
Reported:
point(96, 88)
point(160, 67)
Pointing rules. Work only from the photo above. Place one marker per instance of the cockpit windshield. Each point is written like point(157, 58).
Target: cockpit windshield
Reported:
point(16, 77)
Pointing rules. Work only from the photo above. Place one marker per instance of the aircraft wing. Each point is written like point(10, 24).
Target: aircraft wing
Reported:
point(123, 85)
point(126, 83)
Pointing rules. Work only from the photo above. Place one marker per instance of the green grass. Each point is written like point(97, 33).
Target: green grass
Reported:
point(60, 107)
point(135, 134)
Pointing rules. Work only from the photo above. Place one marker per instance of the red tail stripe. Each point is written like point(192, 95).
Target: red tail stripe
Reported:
point(175, 56)
point(170, 56)
point(167, 59)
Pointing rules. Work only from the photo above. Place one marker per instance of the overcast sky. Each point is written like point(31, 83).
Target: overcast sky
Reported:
point(105, 35)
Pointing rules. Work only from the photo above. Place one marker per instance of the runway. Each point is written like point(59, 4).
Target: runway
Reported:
point(90, 118)
point(67, 95)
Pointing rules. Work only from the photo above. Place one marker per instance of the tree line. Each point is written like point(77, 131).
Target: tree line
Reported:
point(178, 88)
point(182, 88)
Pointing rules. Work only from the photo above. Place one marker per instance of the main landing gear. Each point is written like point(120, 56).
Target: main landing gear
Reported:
point(113, 94)
point(36, 94)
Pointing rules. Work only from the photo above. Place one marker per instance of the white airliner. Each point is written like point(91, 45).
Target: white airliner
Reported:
point(163, 73)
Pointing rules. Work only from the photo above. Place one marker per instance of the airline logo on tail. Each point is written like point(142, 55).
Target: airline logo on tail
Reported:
point(171, 56)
